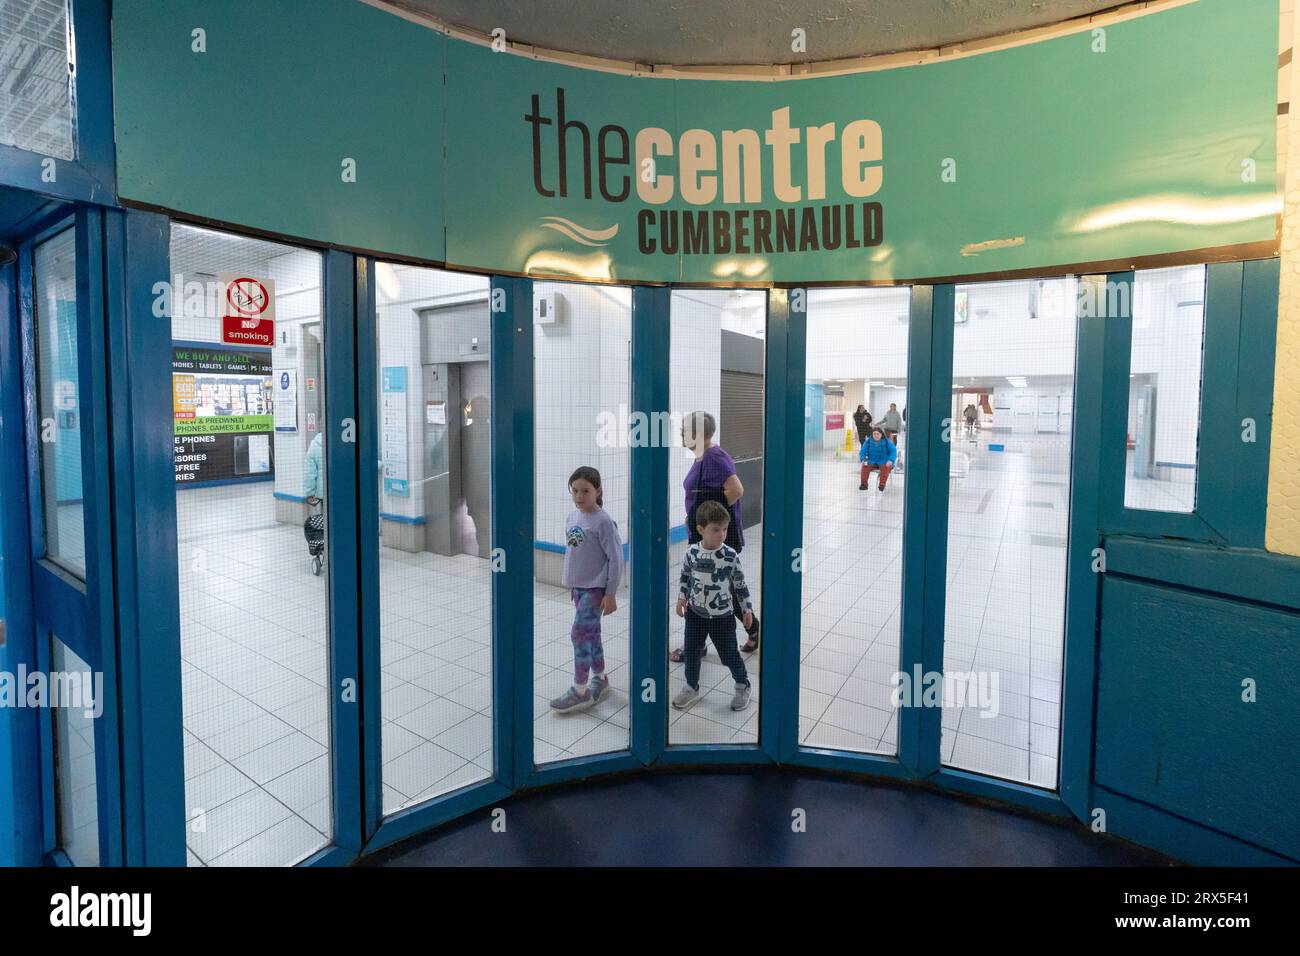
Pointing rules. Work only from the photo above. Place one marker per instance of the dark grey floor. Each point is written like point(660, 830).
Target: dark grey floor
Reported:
point(744, 818)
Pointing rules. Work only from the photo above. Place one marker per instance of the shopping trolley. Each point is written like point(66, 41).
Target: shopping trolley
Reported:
point(313, 529)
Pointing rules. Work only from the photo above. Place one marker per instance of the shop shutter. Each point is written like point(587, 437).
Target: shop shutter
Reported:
point(741, 421)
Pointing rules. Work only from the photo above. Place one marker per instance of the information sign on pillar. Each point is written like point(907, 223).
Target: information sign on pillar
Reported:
point(393, 446)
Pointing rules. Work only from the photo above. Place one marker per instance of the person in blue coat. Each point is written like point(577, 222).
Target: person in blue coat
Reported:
point(878, 453)
point(313, 472)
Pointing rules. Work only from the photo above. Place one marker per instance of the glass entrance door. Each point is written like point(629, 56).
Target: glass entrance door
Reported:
point(855, 475)
point(249, 385)
point(1012, 408)
point(72, 686)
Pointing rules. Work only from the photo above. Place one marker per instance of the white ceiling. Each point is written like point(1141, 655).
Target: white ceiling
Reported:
point(698, 32)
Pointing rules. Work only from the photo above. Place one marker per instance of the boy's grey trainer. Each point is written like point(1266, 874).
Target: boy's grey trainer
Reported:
point(687, 696)
point(741, 698)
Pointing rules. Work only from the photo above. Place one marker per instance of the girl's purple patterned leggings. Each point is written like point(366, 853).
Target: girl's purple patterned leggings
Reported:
point(588, 652)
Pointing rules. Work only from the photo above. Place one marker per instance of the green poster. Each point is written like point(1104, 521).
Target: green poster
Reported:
point(225, 425)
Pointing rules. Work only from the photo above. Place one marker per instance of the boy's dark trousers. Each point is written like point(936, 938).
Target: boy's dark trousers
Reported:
point(740, 616)
point(723, 632)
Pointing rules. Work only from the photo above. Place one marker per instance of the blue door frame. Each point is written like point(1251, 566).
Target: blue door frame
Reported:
point(651, 334)
point(1101, 366)
point(145, 552)
point(139, 802)
point(1236, 387)
point(80, 613)
point(125, 366)
point(127, 622)
point(23, 799)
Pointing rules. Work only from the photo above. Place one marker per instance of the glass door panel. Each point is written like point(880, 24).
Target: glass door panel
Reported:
point(855, 473)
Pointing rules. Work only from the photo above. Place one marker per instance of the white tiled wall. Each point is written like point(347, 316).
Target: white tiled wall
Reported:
point(837, 346)
point(1001, 335)
point(694, 378)
point(581, 372)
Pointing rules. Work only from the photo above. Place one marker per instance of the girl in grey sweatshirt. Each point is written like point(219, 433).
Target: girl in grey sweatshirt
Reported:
point(593, 564)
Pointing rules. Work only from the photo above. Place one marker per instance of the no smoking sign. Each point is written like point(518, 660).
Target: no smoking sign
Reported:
point(247, 298)
point(249, 311)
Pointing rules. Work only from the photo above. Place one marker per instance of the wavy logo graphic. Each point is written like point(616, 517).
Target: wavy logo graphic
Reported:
point(588, 237)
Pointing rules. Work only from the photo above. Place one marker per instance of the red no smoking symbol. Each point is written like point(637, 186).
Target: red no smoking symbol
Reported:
point(247, 297)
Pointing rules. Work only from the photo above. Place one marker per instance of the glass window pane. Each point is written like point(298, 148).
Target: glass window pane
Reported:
point(716, 380)
point(435, 503)
point(74, 713)
point(36, 77)
point(251, 536)
point(1164, 404)
point(854, 480)
point(1008, 522)
point(58, 395)
point(582, 367)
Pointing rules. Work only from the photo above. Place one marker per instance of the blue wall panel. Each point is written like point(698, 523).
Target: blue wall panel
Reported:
point(814, 410)
point(1172, 729)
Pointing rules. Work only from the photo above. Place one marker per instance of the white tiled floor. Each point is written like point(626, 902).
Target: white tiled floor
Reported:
point(605, 727)
point(1005, 601)
point(436, 683)
point(255, 666)
point(852, 591)
point(254, 672)
point(1008, 524)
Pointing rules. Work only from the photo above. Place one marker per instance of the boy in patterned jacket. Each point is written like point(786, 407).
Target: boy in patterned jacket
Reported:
point(711, 579)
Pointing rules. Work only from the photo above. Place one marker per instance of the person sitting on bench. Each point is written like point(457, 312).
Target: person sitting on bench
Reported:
point(878, 454)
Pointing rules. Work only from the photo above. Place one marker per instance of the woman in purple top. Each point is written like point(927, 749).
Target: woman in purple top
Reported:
point(713, 478)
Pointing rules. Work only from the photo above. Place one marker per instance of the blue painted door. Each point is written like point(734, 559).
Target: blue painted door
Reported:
point(67, 657)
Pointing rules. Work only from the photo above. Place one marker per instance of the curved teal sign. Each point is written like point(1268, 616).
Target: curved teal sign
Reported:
point(340, 123)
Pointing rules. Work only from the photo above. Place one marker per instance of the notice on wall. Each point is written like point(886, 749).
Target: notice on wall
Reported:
point(221, 408)
point(393, 423)
point(248, 310)
point(834, 421)
point(286, 400)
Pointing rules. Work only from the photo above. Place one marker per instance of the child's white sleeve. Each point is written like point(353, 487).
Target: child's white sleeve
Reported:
point(685, 581)
point(739, 588)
